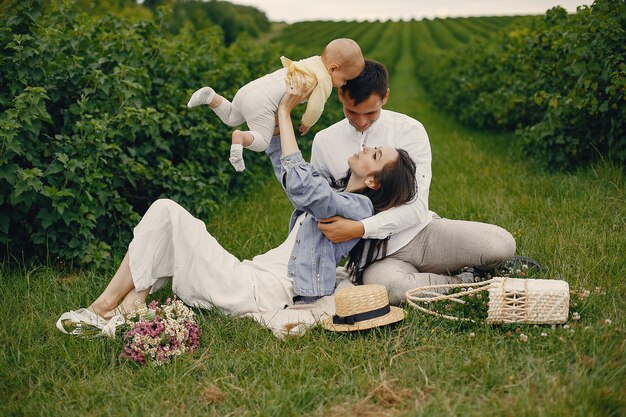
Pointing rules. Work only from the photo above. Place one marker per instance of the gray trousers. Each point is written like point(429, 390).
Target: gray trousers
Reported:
point(440, 249)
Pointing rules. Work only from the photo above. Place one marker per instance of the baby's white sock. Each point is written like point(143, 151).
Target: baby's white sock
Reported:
point(202, 96)
point(236, 157)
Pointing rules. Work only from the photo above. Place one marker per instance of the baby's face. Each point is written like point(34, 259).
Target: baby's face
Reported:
point(341, 75)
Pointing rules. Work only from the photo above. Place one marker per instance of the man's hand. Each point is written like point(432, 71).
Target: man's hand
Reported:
point(303, 129)
point(337, 229)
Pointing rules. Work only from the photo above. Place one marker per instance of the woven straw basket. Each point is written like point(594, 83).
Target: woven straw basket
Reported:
point(511, 300)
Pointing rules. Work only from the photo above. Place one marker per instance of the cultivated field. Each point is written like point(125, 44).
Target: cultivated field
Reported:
point(574, 223)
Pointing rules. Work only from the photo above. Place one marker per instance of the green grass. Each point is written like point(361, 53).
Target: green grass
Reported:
point(573, 223)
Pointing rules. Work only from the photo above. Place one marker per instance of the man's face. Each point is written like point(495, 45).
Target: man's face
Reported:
point(361, 116)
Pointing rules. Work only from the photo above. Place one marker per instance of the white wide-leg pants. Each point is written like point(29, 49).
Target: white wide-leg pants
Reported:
point(170, 242)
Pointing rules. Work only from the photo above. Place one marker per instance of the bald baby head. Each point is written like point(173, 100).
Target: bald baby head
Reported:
point(343, 60)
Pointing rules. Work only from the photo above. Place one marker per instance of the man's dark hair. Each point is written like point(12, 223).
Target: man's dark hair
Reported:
point(373, 79)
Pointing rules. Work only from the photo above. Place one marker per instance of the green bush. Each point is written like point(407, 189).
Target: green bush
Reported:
point(233, 19)
point(94, 126)
point(559, 81)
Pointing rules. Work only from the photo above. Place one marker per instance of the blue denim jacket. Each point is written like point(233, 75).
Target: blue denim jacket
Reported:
point(314, 258)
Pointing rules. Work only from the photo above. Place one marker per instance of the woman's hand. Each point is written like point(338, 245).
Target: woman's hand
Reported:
point(296, 92)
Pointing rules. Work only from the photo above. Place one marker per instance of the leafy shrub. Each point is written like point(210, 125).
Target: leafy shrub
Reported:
point(94, 126)
point(233, 19)
point(129, 9)
point(559, 81)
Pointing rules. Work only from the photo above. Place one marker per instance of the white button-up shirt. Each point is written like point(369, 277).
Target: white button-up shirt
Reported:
point(333, 145)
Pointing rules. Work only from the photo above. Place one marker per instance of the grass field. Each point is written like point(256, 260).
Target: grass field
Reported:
point(573, 223)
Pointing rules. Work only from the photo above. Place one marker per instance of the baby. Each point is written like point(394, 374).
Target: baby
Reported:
point(256, 103)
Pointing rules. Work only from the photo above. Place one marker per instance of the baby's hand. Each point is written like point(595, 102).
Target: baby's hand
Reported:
point(303, 129)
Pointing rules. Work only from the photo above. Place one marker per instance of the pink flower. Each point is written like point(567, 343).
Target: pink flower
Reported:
point(156, 338)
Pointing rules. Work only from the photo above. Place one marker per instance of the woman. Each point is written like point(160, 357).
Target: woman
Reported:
point(170, 242)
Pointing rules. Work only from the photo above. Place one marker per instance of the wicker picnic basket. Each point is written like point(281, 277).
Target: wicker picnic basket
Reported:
point(511, 300)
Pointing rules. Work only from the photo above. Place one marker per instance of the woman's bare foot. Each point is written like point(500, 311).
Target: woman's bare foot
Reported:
point(107, 314)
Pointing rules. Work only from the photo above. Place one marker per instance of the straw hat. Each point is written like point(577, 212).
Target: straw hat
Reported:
point(362, 307)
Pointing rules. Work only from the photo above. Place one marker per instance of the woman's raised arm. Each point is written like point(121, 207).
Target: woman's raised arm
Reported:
point(296, 92)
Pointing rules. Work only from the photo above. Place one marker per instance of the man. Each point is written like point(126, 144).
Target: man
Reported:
point(423, 248)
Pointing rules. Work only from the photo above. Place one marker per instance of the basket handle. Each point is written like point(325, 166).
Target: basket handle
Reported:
point(429, 296)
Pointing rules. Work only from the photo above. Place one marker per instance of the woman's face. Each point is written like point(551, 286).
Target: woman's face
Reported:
point(370, 160)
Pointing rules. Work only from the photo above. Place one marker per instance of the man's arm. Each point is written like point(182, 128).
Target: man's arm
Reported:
point(386, 223)
point(338, 229)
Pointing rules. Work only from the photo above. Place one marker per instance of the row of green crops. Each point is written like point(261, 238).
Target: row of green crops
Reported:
point(382, 41)
point(94, 126)
point(559, 81)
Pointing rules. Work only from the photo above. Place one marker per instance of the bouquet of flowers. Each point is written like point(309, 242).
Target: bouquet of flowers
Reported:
point(158, 333)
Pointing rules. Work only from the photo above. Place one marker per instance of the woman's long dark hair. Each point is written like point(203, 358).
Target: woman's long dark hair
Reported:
point(398, 186)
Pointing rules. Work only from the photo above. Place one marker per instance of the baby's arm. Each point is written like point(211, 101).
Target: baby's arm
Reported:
point(303, 129)
point(315, 106)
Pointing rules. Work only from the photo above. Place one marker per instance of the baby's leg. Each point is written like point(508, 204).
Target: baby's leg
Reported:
point(261, 129)
point(253, 140)
point(239, 141)
point(258, 101)
point(227, 113)
point(224, 109)
point(257, 138)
